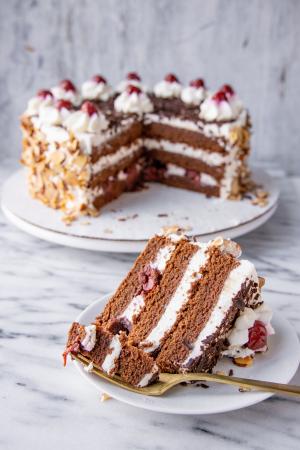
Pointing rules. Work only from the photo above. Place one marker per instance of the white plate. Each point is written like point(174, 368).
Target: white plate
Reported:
point(201, 217)
point(279, 364)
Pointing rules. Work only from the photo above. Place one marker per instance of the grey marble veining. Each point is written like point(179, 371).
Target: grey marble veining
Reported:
point(43, 287)
point(254, 45)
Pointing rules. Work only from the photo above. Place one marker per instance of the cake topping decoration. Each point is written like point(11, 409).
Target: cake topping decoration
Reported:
point(169, 87)
point(133, 100)
point(67, 85)
point(132, 78)
point(63, 104)
point(87, 120)
point(223, 105)
point(44, 93)
point(42, 98)
point(96, 89)
point(89, 108)
point(195, 93)
point(66, 90)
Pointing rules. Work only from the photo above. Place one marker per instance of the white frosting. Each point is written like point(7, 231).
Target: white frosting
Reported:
point(210, 158)
point(245, 271)
point(52, 133)
point(207, 180)
point(138, 103)
point(35, 103)
point(147, 377)
point(61, 94)
point(91, 90)
point(89, 340)
point(179, 298)
point(81, 122)
point(239, 334)
point(114, 158)
point(212, 109)
point(50, 115)
point(134, 307)
point(178, 171)
point(115, 348)
point(192, 95)
point(165, 89)
point(162, 257)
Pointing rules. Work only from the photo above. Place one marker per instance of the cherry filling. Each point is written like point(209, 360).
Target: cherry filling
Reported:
point(63, 104)
point(131, 89)
point(197, 83)
point(193, 176)
point(67, 85)
point(132, 177)
point(133, 76)
point(155, 172)
point(99, 79)
point(148, 278)
point(89, 108)
point(171, 78)
point(44, 93)
point(74, 348)
point(257, 336)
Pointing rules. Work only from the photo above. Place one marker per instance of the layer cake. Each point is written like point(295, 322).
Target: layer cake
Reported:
point(183, 305)
point(84, 148)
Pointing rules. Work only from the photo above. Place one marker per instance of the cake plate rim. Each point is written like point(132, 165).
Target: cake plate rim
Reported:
point(171, 403)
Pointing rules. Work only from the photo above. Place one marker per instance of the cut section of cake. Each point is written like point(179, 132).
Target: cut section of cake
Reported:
point(83, 148)
point(185, 304)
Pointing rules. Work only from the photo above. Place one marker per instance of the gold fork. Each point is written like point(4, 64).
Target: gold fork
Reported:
point(168, 380)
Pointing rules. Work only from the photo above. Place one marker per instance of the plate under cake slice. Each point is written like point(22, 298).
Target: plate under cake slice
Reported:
point(182, 306)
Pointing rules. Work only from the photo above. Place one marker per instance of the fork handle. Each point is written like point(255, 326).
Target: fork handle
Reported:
point(258, 385)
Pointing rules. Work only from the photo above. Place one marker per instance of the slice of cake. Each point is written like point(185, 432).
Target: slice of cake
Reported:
point(83, 148)
point(183, 305)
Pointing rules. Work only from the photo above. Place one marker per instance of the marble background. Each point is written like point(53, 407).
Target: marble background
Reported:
point(254, 45)
point(43, 287)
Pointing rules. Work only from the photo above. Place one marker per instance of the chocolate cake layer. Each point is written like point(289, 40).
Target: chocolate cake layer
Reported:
point(203, 296)
point(131, 285)
point(187, 162)
point(122, 139)
point(175, 134)
point(191, 185)
point(158, 300)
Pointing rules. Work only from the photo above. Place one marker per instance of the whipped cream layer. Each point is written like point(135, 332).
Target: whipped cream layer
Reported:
point(209, 158)
point(113, 158)
point(243, 273)
point(178, 299)
point(112, 356)
point(148, 376)
point(89, 340)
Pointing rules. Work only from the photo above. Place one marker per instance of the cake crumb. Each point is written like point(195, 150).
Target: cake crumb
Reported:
point(203, 385)
point(86, 223)
point(162, 215)
point(230, 373)
point(104, 397)
point(108, 231)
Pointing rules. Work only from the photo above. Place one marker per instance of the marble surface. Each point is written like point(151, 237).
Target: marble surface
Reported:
point(254, 45)
point(44, 286)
